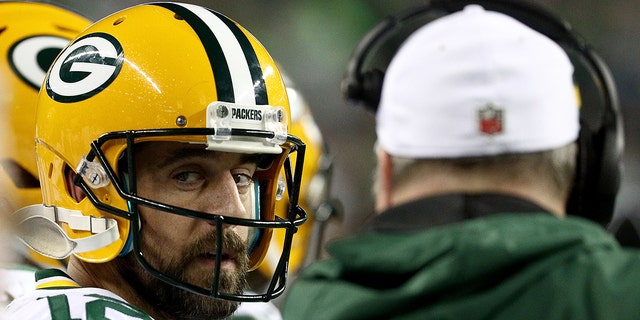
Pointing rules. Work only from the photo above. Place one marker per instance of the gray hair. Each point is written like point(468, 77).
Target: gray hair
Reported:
point(556, 166)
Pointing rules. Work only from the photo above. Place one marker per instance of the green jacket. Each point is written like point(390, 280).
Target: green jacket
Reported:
point(502, 266)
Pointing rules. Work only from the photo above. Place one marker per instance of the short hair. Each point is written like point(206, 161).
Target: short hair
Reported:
point(556, 166)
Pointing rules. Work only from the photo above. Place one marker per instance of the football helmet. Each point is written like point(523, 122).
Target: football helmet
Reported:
point(160, 72)
point(32, 35)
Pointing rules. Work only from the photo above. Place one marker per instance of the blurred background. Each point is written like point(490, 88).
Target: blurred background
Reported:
point(313, 40)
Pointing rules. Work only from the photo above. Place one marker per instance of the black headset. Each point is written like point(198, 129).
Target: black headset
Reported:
point(601, 139)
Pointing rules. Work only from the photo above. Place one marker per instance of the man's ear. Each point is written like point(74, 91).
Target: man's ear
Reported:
point(75, 191)
point(384, 183)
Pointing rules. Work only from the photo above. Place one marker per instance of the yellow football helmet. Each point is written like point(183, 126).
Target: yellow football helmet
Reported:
point(159, 72)
point(314, 190)
point(32, 34)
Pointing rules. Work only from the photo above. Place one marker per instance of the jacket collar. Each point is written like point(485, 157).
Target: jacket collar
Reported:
point(434, 211)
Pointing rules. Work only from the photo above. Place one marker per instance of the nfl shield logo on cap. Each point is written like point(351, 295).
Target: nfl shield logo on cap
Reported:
point(490, 120)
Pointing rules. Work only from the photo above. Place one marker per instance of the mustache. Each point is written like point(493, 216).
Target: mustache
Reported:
point(232, 245)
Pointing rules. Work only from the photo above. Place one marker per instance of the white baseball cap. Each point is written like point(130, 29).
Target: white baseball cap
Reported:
point(477, 83)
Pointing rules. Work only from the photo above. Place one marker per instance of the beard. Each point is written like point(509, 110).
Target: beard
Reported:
point(179, 303)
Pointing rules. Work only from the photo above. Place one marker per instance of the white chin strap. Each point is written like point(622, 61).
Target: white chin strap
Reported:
point(38, 228)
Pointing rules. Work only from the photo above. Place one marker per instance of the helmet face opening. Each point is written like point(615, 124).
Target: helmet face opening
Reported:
point(245, 248)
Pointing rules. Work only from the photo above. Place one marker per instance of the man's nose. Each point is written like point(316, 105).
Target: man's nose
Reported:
point(221, 197)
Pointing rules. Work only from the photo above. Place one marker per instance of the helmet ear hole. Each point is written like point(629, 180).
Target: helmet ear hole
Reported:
point(74, 191)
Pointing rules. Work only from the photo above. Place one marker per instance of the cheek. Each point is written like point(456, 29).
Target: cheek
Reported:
point(163, 191)
point(165, 229)
point(149, 186)
point(242, 232)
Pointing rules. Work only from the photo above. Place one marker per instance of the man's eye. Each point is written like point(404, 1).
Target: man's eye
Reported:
point(187, 176)
point(242, 180)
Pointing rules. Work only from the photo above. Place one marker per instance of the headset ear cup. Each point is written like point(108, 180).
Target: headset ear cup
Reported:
point(579, 191)
point(371, 87)
point(364, 90)
point(601, 143)
point(609, 147)
point(351, 90)
point(597, 178)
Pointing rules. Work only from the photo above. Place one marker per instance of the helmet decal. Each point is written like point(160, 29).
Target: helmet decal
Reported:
point(234, 74)
point(31, 57)
point(85, 68)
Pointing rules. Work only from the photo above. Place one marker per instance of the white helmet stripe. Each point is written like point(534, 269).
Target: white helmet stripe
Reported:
point(242, 86)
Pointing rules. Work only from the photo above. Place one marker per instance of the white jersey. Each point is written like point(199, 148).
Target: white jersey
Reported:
point(257, 311)
point(57, 296)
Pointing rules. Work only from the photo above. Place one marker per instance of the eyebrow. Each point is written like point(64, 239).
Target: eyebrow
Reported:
point(182, 154)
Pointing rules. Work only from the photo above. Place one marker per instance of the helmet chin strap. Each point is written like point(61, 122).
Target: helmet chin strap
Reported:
point(38, 228)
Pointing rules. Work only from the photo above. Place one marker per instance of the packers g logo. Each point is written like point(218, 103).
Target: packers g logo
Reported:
point(85, 68)
point(30, 58)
